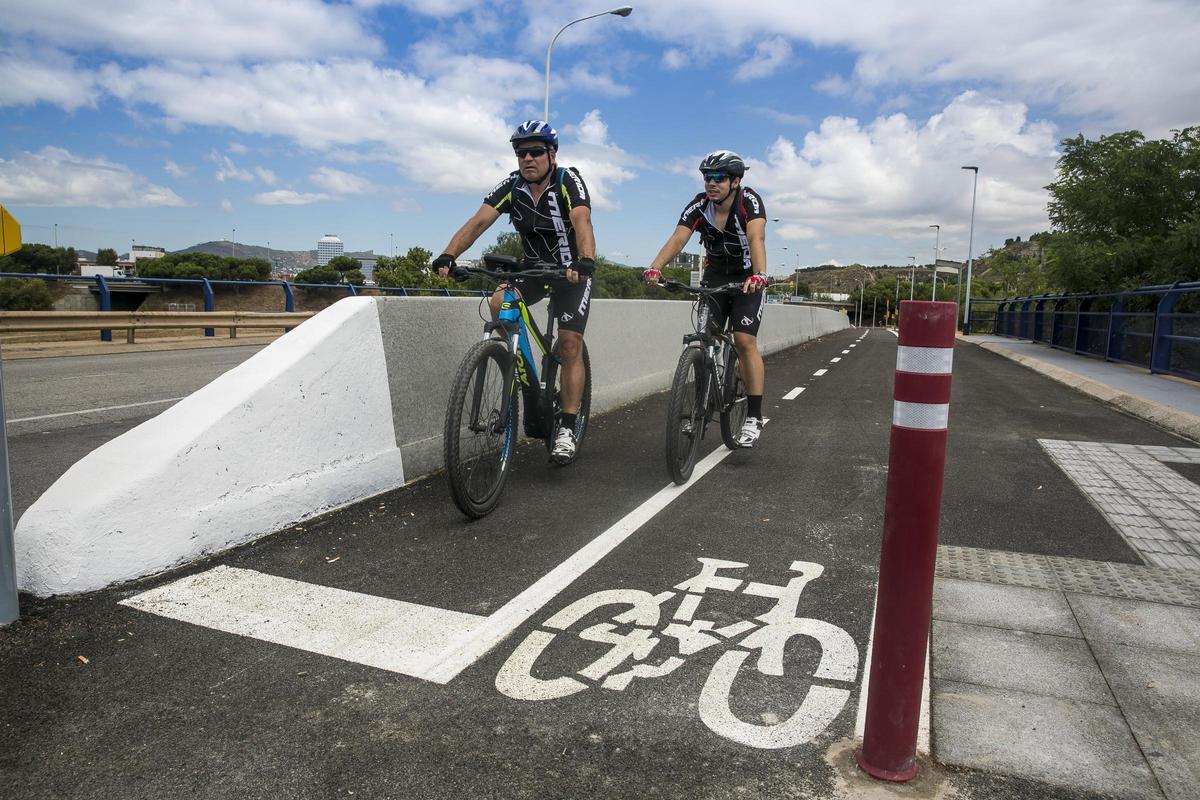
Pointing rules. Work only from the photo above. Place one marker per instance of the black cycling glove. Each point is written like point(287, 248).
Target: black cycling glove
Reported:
point(584, 266)
point(444, 260)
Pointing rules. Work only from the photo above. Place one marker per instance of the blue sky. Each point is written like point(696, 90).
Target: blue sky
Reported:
point(172, 123)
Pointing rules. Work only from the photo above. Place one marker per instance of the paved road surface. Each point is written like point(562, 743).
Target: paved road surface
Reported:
point(403, 585)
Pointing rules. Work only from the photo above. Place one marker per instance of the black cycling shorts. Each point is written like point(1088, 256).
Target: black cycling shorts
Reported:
point(571, 301)
point(745, 309)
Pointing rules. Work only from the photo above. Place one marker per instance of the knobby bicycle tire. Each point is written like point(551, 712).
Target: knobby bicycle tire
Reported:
point(551, 404)
point(480, 435)
point(686, 415)
point(733, 402)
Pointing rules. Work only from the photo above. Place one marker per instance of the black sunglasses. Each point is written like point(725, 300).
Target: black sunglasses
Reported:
point(536, 152)
point(715, 177)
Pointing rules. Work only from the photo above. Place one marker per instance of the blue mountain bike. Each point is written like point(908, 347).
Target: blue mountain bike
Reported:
point(481, 430)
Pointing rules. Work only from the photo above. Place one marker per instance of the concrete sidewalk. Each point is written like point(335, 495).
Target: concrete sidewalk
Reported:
point(1082, 673)
point(1170, 402)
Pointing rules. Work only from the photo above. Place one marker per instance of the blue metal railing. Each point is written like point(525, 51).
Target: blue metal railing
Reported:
point(1143, 327)
point(289, 299)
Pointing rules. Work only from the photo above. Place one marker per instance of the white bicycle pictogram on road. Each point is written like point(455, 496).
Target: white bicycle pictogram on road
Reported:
point(638, 632)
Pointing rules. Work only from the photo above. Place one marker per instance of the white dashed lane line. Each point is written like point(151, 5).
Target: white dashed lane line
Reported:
point(835, 360)
point(794, 393)
point(819, 373)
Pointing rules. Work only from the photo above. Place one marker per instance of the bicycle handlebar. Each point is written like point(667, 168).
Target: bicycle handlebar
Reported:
point(674, 286)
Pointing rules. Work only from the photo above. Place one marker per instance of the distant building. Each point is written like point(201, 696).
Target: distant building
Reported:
point(686, 260)
point(329, 247)
point(140, 251)
point(367, 265)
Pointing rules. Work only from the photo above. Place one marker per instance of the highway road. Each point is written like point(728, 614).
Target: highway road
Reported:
point(60, 409)
point(593, 637)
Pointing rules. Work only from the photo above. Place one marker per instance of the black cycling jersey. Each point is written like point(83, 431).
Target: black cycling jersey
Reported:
point(725, 250)
point(545, 227)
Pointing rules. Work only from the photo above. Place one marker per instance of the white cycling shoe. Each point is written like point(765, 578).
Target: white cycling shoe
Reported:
point(751, 430)
point(564, 446)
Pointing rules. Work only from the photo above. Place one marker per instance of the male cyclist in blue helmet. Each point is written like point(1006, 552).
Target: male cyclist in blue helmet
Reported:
point(732, 221)
point(550, 207)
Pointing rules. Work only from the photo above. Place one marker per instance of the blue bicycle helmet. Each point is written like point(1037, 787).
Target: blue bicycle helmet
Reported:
point(535, 130)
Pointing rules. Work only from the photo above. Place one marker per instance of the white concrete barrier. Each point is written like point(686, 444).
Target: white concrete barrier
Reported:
point(348, 405)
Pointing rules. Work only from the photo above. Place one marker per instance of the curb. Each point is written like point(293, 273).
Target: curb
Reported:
point(1176, 421)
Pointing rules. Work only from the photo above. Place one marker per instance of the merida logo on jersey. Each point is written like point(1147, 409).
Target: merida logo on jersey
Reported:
point(578, 185)
point(754, 202)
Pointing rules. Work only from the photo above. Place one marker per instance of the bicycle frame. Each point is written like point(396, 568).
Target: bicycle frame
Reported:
point(713, 391)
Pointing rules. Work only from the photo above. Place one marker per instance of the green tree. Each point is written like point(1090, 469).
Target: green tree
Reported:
point(44, 259)
point(507, 244)
point(323, 275)
point(1125, 211)
point(25, 294)
point(106, 257)
point(343, 263)
point(1018, 276)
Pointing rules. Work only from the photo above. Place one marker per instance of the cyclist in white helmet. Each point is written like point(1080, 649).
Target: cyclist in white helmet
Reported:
point(550, 207)
point(732, 221)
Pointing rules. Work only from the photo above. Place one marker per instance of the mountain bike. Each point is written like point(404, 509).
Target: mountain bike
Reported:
point(481, 417)
point(707, 380)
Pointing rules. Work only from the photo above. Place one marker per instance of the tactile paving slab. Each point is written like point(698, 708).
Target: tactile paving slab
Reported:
point(1179, 587)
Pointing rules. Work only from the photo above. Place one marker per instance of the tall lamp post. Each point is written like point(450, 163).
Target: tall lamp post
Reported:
point(912, 281)
point(623, 11)
point(233, 245)
point(970, 245)
point(937, 239)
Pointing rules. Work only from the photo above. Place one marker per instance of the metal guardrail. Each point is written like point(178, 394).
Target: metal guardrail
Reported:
point(1144, 327)
point(289, 298)
point(130, 321)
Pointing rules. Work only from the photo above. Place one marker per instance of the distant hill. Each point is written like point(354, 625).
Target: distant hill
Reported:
point(283, 260)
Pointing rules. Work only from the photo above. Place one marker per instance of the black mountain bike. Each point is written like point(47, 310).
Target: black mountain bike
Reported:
point(707, 381)
point(481, 418)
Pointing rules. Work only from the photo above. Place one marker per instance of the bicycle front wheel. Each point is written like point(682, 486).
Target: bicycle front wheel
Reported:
point(685, 415)
point(481, 428)
point(733, 401)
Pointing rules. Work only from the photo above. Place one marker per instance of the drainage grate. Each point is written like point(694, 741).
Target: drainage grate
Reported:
point(1178, 587)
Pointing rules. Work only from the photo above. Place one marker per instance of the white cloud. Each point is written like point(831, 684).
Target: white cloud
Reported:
point(769, 56)
point(893, 177)
point(237, 148)
point(582, 78)
point(265, 175)
point(227, 170)
point(56, 177)
point(287, 197)
point(175, 170)
point(335, 181)
point(213, 30)
point(44, 76)
point(602, 164)
point(1115, 62)
point(430, 8)
point(227, 206)
point(674, 59)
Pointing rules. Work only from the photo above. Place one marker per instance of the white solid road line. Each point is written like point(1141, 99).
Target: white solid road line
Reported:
point(794, 393)
point(435, 644)
point(860, 722)
point(477, 642)
point(96, 410)
point(819, 373)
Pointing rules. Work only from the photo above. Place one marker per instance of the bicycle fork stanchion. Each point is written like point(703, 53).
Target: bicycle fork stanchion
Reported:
point(910, 532)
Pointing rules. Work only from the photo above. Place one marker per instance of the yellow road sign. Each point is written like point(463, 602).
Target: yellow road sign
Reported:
point(10, 233)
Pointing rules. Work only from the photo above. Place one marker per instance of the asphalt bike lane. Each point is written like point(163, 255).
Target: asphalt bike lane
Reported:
point(156, 707)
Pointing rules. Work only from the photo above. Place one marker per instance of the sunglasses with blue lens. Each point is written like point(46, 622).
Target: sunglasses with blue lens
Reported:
point(715, 177)
point(536, 152)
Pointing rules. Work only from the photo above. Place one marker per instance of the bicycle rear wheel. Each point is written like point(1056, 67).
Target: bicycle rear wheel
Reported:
point(686, 415)
point(552, 405)
point(481, 428)
point(733, 403)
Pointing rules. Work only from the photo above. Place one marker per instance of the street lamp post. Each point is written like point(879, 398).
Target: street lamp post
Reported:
point(970, 245)
point(233, 245)
point(912, 282)
point(937, 239)
point(623, 11)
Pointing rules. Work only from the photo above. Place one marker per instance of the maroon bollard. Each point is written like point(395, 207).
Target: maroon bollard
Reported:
point(910, 533)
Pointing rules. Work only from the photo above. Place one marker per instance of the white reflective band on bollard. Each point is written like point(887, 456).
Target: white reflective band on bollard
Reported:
point(929, 360)
point(922, 416)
